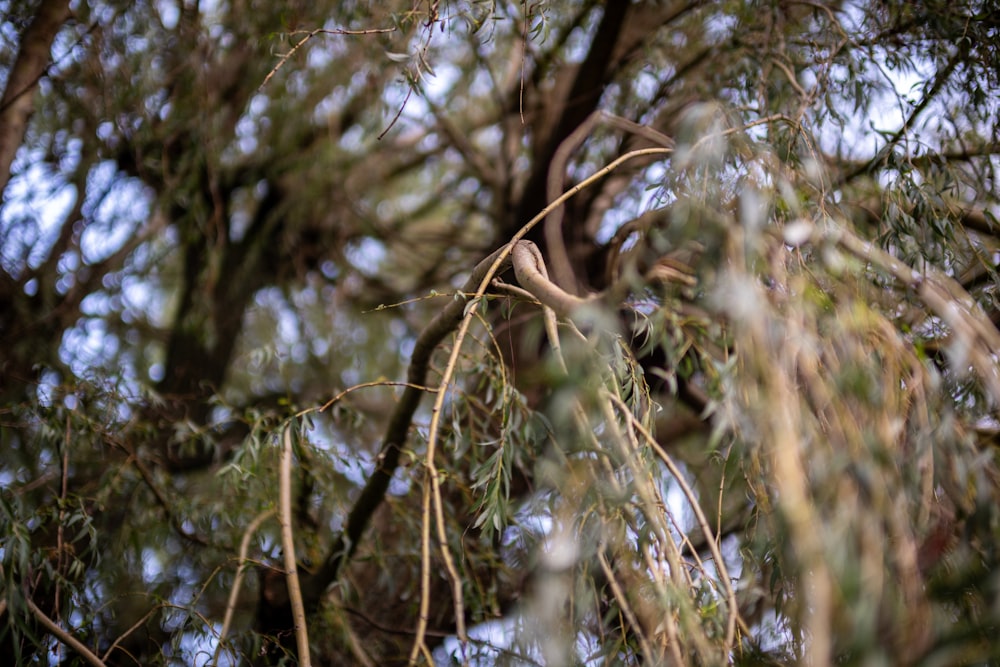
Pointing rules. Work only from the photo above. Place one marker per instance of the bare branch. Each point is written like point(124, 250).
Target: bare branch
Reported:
point(288, 549)
point(309, 34)
point(63, 636)
point(529, 267)
point(238, 581)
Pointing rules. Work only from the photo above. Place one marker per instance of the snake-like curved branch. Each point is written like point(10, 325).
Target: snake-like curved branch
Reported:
point(529, 267)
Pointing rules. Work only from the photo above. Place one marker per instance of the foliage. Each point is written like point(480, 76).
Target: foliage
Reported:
point(499, 332)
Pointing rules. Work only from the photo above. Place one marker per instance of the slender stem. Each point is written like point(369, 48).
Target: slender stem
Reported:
point(238, 581)
point(692, 499)
point(425, 576)
point(288, 549)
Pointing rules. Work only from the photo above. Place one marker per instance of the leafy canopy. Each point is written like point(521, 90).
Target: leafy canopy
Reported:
point(499, 332)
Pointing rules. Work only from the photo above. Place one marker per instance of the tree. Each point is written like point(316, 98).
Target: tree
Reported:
point(523, 333)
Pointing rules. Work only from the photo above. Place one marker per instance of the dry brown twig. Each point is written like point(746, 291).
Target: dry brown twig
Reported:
point(238, 581)
point(364, 385)
point(135, 626)
point(288, 549)
point(309, 34)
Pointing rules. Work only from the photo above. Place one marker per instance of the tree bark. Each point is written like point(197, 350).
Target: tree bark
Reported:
point(32, 61)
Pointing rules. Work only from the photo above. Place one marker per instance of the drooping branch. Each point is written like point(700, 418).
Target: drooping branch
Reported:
point(947, 300)
point(288, 550)
point(450, 318)
point(63, 636)
point(939, 82)
point(396, 432)
point(241, 568)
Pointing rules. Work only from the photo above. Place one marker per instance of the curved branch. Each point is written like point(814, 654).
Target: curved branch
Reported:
point(572, 108)
point(699, 515)
point(288, 550)
point(562, 269)
point(529, 267)
point(396, 431)
point(63, 636)
point(234, 593)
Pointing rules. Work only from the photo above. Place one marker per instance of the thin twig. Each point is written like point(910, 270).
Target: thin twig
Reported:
point(355, 643)
point(288, 549)
point(524, 48)
point(421, 62)
point(399, 112)
point(364, 385)
point(238, 581)
point(161, 498)
point(449, 563)
point(309, 34)
point(135, 626)
point(626, 608)
point(60, 532)
point(425, 575)
point(692, 499)
point(939, 82)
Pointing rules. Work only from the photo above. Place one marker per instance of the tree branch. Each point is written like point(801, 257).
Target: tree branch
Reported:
point(234, 593)
point(572, 109)
point(63, 636)
point(288, 550)
point(939, 82)
point(17, 102)
point(562, 268)
point(396, 433)
point(529, 267)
